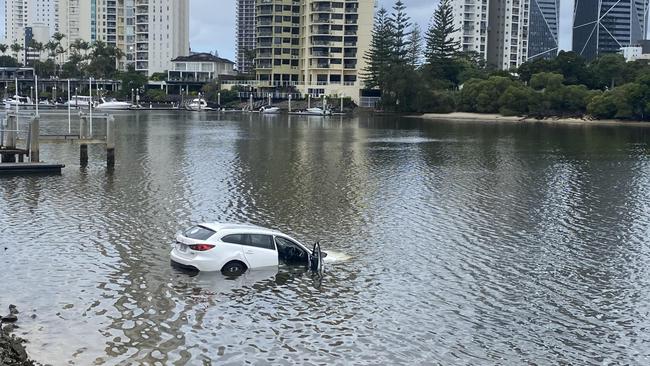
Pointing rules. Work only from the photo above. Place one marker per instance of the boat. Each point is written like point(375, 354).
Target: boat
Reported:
point(113, 104)
point(17, 100)
point(316, 111)
point(79, 101)
point(198, 104)
point(269, 110)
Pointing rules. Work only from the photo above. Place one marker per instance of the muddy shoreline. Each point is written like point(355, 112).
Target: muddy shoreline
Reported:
point(492, 118)
point(12, 347)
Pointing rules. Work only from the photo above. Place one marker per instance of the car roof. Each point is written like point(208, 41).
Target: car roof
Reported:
point(227, 227)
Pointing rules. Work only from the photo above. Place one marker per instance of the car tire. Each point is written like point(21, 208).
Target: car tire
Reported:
point(234, 268)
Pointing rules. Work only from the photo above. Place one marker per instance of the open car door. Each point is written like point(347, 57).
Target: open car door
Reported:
point(316, 259)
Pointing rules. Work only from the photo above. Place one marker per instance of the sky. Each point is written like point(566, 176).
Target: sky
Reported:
point(212, 23)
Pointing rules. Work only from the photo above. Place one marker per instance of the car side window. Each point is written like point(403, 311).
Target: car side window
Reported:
point(261, 241)
point(235, 239)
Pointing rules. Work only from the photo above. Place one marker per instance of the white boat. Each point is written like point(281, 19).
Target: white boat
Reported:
point(269, 110)
point(316, 111)
point(17, 100)
point(112, 103)
point(79, 101)
point(198, 104)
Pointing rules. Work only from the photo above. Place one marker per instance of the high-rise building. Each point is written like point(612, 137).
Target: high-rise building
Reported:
point(607, 25)
point(543, 29)
point(508, 34)
point(471, 24)
point(314, 45)
point(27, 20)
point(246, 36)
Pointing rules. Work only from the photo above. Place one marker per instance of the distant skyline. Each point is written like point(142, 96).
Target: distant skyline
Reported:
point(212, 23)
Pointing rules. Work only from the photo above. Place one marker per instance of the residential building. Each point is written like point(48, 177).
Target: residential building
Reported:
point(315, 46)
point(471, 24)
point(508, 34)
point(76, 21)
point(27, 20)
point(640, 51)
point(149, 32)
point(607, 25)
point(199, 68)
point(246, 35)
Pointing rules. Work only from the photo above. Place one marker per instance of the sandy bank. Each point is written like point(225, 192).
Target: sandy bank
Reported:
point(491, 118)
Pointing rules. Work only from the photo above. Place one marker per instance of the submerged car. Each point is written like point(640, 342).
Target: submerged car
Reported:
point(235, 248)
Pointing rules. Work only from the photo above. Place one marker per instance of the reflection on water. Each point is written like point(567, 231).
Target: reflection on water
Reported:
point(449, 243)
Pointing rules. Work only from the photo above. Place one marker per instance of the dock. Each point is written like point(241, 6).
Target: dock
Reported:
point(30, 168)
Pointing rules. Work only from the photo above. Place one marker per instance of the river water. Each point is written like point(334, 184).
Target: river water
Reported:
point(451, 243)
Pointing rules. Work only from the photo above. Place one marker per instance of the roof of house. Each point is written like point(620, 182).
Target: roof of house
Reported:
point(202, 57)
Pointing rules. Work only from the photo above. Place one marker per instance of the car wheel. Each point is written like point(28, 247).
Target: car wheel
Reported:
point(233, 268)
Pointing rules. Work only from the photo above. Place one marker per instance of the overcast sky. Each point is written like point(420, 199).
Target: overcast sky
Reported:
point(212, 22)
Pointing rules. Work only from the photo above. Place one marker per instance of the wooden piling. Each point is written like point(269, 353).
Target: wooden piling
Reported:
point(12, 126)
point(34, 154)
point(83, 134)
point(110, 141)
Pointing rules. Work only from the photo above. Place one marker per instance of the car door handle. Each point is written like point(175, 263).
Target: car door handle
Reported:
point(249, 252)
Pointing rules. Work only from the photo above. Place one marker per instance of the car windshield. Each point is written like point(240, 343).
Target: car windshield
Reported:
point(198, 233)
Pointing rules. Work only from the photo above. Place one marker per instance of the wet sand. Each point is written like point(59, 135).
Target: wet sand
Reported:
point(489, 118)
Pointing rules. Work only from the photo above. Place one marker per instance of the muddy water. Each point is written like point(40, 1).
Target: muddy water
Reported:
point(453, 243)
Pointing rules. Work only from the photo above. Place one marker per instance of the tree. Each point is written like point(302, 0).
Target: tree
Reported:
point(378, 56)
point(415, 47)
point(401, 25)
point(3, 48)
point(546, 81)
point(609, 70)
point(16, 48)
point(441, 45)
point(8, 61)
point(132, 79)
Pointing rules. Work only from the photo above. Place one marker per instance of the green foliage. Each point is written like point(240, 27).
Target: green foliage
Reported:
point(212, 90)
point(131, 79)
point(158, 76)
point(8, 61)
point(516, 100)
point(546, 81)
point(378, 56)
point(400, 34)
point(155, 95)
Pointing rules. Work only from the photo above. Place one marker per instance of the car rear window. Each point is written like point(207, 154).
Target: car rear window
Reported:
point(198, 233)
point(234, 238)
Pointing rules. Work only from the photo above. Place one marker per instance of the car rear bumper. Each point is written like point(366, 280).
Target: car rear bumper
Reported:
point(196, 263)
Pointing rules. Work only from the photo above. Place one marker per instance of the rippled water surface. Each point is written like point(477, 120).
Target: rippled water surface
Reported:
point(456, 243)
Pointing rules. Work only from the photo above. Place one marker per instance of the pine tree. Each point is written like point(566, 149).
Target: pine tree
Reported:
point(378, 56)
point(415, 47)
point(401, 25)
point(440, 43)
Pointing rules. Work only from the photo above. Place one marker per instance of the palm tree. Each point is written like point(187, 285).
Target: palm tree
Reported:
point(16, 48)
point(58, 37)
point(37, 47)
point(3, 48)
point(51, 47)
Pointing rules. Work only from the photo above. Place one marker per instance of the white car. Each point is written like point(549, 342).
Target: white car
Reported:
point(234, 248)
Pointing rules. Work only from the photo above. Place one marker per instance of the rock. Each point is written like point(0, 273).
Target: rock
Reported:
point(13, 309)
point(33, 316)
point(11, 318)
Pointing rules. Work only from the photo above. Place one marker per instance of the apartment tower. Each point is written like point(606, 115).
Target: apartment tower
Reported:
point(246, 36)
point(316, 46)
point(607, 25)
point(471, 23)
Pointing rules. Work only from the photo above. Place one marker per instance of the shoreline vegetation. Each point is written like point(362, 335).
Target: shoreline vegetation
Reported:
point(433, 74)
point(498, 118)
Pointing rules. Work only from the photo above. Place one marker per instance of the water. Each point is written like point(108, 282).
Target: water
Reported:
point(454, 243)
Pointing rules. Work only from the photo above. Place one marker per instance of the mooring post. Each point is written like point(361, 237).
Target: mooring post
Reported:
point(34, 146)
point(83, 134)
point(289, 102)
point(12, 126)
point(110, 141)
